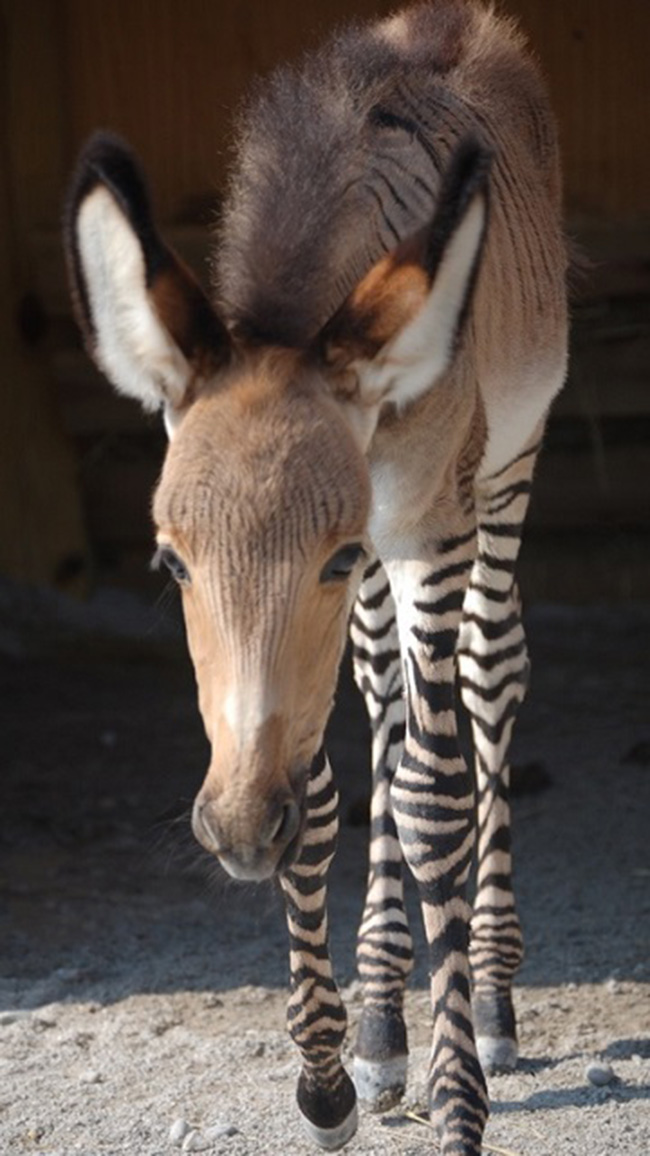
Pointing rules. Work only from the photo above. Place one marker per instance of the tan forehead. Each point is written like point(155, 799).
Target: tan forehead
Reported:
point(262, 447)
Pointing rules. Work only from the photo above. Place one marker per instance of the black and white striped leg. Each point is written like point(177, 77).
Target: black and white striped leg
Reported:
point(433, 803)
point(493, 669)
point(316, 1017)
point(384, 947)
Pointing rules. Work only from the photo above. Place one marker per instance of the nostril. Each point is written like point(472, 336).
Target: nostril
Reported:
point(205, 827)
point(287, 824)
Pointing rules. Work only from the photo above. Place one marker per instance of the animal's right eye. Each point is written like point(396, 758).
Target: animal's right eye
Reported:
point(168, 558)
point(341, 565)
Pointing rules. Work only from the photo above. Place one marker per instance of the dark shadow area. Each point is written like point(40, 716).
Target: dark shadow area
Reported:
point(579, 1097)
point(626, 1049)
point(104, 891)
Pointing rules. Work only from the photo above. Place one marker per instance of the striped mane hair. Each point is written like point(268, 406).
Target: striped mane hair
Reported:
point(339, 158)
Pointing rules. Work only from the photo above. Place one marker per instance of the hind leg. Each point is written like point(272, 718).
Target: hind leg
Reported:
point(493, 668)
point(384, 951)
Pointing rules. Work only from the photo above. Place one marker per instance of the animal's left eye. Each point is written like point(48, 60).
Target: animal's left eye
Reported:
point(341, 564)
point(167, 557)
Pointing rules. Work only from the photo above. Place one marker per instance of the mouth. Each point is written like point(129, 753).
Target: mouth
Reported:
point(245, 872)
point(292, 851)
point(258, 869)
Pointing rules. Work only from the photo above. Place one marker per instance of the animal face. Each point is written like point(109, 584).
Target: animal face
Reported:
point(261, 514)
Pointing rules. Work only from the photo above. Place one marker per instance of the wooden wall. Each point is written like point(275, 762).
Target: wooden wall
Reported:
point(168, 75)
point(594, 54)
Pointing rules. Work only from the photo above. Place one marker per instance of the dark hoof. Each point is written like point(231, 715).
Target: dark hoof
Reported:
point(332, 1138)
point(328, 1117)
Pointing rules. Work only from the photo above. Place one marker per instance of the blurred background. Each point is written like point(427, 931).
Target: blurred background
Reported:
point(77, 464)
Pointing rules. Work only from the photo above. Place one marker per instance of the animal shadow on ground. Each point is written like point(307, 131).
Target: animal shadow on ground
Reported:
point(580, 1096)
point(626, 1049)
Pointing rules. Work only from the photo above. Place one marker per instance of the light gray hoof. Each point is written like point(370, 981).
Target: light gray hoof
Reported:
point(496, 1054)
point(380, 1084)
point(332, 1138)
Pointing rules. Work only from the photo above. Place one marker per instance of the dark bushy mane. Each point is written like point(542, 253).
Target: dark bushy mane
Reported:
point(299, 225)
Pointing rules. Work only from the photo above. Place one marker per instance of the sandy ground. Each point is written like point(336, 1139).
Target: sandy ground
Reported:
point(138, 987)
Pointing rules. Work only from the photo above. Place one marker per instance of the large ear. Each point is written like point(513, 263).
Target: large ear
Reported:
point(397, 332)
point(145, 319)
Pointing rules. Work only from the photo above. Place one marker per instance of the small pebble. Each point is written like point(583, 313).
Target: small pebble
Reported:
point(195, 1142)
point(90, 1077)
point(43, 1023)
point(13, 1017)
point(284, 1071)
point(68, 974)
point(219, 1132)
point(599, 1074)
point(178, 1132)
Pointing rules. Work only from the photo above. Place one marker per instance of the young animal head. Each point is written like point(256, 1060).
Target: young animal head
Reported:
point(263, 505)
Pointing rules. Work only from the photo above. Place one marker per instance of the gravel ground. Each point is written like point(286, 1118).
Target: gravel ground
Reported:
point(138, 988)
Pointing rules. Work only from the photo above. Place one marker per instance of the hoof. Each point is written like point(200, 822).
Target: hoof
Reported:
point(496, 1054)
point(332, 1138)
point(380, 1084)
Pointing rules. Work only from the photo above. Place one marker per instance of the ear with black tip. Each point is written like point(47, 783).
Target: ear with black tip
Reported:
point(145, 319)
point(398, 330)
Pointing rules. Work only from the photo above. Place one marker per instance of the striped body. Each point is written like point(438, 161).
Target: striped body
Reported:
point(354, 423)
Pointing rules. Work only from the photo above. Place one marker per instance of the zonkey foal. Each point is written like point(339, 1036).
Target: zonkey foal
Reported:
point(354, 420)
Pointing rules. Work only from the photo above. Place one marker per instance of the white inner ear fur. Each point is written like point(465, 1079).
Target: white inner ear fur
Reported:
point(172, 420)
point(412, 361)
point(132, 346)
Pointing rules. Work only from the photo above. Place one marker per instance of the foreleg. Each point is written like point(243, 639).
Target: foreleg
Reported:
point(316, 1016)
point(433, 801)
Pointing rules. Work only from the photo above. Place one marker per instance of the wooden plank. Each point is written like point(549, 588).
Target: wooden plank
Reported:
point(594, 54)
point(169, 75)
point(36, 114)
point(42, 537)
point(591, 485)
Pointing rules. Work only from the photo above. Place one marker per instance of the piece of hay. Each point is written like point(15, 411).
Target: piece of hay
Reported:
point(486, 1146)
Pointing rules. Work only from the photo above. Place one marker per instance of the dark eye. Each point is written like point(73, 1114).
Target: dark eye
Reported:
point(167, 557)
point(341, 564)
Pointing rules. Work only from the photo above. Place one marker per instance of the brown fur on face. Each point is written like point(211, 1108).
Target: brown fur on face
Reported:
point(263, 483)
